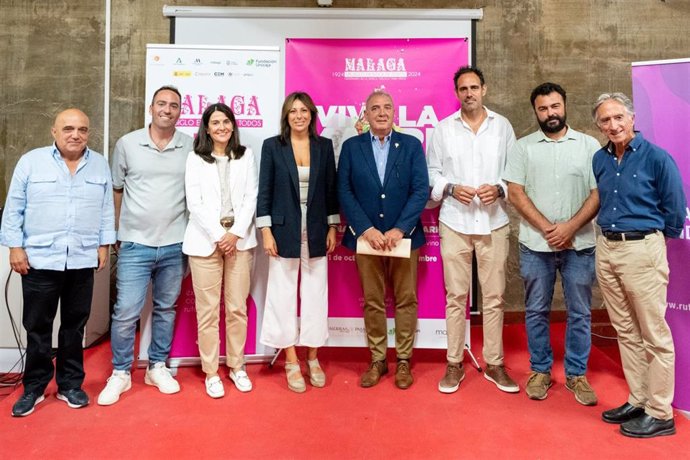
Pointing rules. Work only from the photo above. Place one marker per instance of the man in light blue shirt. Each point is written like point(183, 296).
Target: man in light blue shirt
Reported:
point(58, 223)
point(381, 148)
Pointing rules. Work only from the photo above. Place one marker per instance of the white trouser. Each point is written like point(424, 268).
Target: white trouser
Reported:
point(282, 328)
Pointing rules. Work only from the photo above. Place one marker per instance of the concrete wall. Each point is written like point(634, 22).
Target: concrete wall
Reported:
point(53, 54)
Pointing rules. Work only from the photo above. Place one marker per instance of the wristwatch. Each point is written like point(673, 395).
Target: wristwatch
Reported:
point(501, 192)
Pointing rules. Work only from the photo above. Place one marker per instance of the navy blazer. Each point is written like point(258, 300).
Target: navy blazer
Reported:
point(398, 202)
point(278, 202)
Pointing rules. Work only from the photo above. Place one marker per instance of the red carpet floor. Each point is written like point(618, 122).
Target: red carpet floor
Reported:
point(341, 420)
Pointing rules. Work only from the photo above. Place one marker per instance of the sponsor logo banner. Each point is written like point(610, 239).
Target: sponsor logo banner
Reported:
point(350, 332)
point(248, 81)
point(245, 80)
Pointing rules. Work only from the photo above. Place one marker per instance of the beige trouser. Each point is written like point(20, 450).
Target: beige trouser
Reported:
point(208, 273)
point(633, 276)
point(491, 252)
point(401, 273)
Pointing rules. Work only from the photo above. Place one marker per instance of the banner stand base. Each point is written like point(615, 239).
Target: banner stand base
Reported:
point(174, 363)
point(468, 350)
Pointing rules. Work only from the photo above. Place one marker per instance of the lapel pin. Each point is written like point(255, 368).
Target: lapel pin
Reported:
point(396, 145)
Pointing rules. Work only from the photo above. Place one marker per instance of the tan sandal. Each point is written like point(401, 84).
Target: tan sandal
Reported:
point(316, 375)
point(295, 380)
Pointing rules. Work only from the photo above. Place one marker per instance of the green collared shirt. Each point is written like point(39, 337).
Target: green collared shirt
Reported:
point(558, 178)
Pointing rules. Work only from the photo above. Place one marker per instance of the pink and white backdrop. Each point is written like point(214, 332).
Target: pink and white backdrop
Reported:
point(418, 73)
point(338, 74)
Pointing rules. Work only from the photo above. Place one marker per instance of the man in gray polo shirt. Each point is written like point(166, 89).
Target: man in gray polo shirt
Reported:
point(551, 185)
point(148, 180)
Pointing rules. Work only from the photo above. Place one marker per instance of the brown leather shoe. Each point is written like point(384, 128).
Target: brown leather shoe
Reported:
point(403, 375)
point(584, 393)
point(498, 375)
point(455, 373)
point(372, 376)
point(538, 384)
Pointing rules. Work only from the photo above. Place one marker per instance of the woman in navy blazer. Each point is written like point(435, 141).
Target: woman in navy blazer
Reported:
point(297, 211)
point(221, 188)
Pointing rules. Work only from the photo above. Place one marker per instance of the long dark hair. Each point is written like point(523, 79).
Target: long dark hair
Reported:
point(203, 144)
point(305, 99)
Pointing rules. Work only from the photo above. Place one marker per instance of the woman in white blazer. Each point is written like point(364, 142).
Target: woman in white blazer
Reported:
point(221, 187)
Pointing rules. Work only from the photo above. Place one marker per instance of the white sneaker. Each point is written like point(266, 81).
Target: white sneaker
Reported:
point(118, 383)
point(241, 380)
point(161, 377)
point(214, 387)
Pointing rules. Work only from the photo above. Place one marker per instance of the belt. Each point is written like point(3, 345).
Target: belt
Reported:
point(627, 236)
point(227, 222)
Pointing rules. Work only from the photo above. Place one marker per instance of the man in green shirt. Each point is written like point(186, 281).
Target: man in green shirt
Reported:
point(551, 185)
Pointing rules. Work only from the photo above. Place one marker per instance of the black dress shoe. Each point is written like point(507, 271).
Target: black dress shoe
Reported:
point(622, 414)
point(647, 426)
point(25, 404)
point(75, 398)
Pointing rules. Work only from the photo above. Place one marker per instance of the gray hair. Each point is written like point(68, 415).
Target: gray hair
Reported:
point(378, 92)
point(618, 97)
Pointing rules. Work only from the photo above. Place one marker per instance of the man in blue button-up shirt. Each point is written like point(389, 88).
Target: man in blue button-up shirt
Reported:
point(642, 201)
point(58, 223)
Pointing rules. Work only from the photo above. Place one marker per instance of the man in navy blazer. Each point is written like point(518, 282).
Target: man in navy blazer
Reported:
point(383, 187)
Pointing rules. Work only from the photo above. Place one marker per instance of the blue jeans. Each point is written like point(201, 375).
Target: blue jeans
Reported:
point(137, 265)
point(538, 270)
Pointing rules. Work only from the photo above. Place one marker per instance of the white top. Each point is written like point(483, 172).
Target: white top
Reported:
point(303, 175)
point(455, 154)
point(223, 176)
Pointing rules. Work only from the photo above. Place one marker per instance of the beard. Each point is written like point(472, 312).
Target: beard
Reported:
point(553, 128)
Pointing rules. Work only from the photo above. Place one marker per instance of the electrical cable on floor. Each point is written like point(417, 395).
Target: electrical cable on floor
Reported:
point(604, 336)
point(10, 378)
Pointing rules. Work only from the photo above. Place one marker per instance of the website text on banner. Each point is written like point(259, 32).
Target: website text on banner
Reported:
point(662, 113)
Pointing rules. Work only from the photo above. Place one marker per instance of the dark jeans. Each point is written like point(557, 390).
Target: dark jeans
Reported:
point(42, 290)
point(538, 270)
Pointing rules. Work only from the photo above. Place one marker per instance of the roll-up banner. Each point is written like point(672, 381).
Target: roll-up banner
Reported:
point(418, 73)
point(661, 91)
point(247, 79)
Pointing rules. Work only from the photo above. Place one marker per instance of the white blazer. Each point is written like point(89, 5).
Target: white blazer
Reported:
point(202, 187)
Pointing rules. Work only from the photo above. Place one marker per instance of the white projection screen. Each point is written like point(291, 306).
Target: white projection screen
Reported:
point(271, 26)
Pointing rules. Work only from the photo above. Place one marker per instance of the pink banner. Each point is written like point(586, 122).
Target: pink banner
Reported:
point(339, 74)
point(662, 114)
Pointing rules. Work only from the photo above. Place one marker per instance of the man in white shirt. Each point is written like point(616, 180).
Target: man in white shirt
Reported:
point(466, 157)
